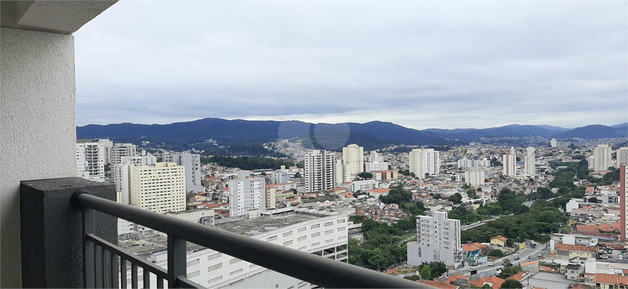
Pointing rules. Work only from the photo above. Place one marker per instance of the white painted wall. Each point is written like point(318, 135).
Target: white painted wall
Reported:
point(38, 133)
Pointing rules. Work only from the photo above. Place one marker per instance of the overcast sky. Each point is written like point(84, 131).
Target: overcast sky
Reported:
point(420, 64)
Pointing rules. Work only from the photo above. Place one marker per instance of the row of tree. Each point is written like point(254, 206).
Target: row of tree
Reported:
point(248, 163)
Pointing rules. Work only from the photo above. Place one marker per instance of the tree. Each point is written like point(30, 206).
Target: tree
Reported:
point(496, 253)
point(297, 175)
point(455, 198)
point(412, 277)
point(365, 175)
point(426, 272)
point(510, 284)
point(472, 194)
point(507, 263)
point(592, 200)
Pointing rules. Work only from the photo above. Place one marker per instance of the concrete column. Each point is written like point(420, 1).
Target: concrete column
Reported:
point(38, 132)
point(51, 231)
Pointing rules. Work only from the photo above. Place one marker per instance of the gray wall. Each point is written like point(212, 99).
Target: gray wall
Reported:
point(38, 132)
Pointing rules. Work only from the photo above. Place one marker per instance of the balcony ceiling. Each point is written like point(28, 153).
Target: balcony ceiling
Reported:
point(63, 17)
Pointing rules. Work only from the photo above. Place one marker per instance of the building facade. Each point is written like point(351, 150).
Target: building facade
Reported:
point(622, 157)
point(90, 160)
point(353, 158)
point(159, 188)
point(623, 201)
point(510, 163)
point(192, 164)
point(319, 168)
point(438, 239)
point(424, 161)
point(120, 150)
point(474, 177)
point(246, 193)
point(529, 161)
point(601, 158)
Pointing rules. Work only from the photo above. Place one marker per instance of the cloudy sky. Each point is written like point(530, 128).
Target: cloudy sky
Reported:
point(420, 64)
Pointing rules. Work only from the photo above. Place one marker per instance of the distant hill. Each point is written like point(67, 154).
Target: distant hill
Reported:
point(235, 137)
point(596, 131)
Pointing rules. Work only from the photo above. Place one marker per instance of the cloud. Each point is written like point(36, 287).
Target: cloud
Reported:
point(419, 64)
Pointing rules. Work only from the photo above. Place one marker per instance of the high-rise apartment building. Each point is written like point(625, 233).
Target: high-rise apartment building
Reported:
point(510, 163)
point(90, 160)
point(554, 143)
point(424, 161)
point(474, 177)
point(438, 239)
point(120, 150)
point(341, 172)
point(319, 168)
point(622, 157)
point(529, 161)
point(623, 201)
point(107, 145)
point(601, 157)
point(246, 193)
point(353, 158)
point(159, 188)
point(192, 164)
point(121, 174)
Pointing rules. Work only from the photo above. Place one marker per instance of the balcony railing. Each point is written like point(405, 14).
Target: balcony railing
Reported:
point(105, 264)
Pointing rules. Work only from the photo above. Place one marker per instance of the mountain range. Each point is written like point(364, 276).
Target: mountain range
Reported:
point(246, 135)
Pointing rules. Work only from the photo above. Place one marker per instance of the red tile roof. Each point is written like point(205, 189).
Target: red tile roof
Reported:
point(456, 277)
point(501, 238)
point(565, 247)
point(470, 248)
point(379, 191)
point(438, 284)
point(606, 228)
point(495, 282)
point(518, 276)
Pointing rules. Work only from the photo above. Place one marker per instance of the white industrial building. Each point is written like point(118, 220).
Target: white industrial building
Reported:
point(438, 239)
point(90, 160)
point(325, 236)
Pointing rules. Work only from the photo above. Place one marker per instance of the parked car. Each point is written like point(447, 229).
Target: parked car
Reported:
point(491, 264)
point(517, 258)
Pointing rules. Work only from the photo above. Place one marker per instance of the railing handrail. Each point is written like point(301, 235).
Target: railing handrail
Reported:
point(298, 264)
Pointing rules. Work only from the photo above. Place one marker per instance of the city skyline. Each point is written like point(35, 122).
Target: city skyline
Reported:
point(420, 65)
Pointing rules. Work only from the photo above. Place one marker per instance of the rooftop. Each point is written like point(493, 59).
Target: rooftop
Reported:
point(255, 226)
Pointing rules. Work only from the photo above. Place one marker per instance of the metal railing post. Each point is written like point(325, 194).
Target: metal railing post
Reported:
point(177, 265)
point(89, 261)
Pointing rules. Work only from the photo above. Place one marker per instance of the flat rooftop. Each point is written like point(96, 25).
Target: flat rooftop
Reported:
point(256, 226)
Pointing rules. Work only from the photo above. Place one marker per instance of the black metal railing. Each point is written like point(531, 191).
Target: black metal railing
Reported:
point(301, 265)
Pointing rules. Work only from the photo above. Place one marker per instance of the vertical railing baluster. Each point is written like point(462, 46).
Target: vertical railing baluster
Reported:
point(114, 270)
point(146, 278)
point(160, 283)
point(123, 273)
point(89, 264)
point(176, 259)
point(103, 259)
point(97, 274)
point(134, 283)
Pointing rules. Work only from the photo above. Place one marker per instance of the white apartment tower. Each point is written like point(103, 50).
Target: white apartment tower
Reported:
point(622, 157)
point(601, 158)
point(122, 175)
point(319, 168)
point(341, 172)
point(474, 177)
point(424, 161)
point(353, 158)
point(246, 193)
point(554, 143)
point(120, 150)
point(529, 161)
point(192, 164)
point(438, 239)
point(90, 160)
point(107, 145)
point(159, 188)
point(510, 163)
